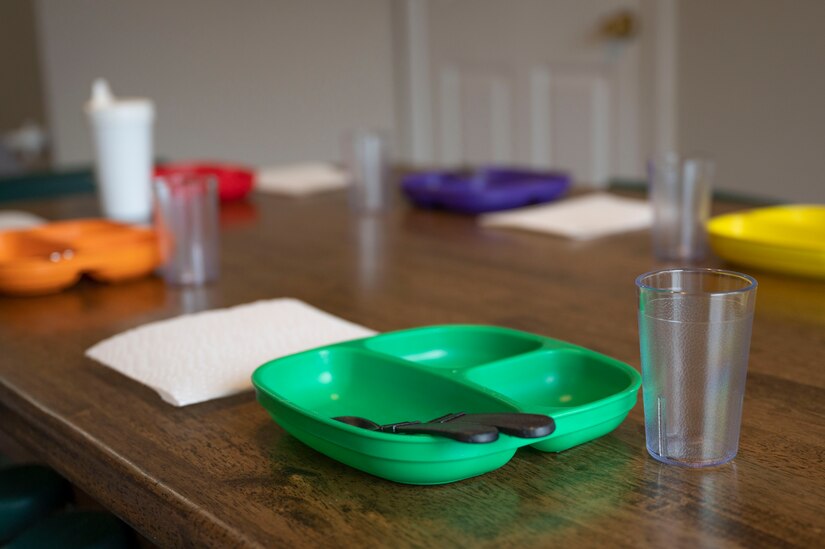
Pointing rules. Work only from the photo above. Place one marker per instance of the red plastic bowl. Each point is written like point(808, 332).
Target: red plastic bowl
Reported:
point(234, 182)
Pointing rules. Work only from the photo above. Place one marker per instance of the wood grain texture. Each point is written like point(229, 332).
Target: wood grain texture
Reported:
point(222, 474)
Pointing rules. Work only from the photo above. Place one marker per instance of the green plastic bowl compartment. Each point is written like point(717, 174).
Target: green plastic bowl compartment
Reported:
point(424, 373)
point(453, 347)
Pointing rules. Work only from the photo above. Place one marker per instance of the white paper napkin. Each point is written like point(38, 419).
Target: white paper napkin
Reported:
point(16, 219)
point(582, 218)
point(212, 354)
point(301, 179)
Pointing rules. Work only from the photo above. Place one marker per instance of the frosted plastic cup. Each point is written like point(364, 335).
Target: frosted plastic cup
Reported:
point(186, 219)
point(366, 158)
point(680, 192)
point(122, 136)
point(695, 332)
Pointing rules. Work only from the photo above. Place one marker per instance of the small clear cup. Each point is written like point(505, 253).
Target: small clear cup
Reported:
point(186, 220)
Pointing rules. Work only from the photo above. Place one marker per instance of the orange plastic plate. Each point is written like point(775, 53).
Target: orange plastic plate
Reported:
point(52, 257)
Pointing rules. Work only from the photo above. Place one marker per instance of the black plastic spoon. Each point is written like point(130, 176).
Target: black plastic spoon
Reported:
point(460, 431)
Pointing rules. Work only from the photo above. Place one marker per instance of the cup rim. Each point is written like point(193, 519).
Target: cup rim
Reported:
point(752, 284)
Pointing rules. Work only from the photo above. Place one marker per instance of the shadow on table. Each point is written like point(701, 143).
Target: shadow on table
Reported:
point(535, 493)
point(86, 305)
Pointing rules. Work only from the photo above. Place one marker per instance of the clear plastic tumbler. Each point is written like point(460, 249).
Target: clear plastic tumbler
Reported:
point(680, 192)
point(366, 157)
point(186, 218)
point(694, 331)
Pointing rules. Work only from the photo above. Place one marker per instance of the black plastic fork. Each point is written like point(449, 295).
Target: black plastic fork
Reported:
point(472, 428)
point(516, 424)
point(461, 431)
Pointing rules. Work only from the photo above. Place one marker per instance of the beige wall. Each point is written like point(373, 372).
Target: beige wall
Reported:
point(20, 92)
point(255, 81)
point(751, 85)
point(269, 81)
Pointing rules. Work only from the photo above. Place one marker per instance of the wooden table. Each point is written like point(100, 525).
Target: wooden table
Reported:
point(224, 474)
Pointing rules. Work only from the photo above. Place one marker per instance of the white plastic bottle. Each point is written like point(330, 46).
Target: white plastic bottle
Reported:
point(122, 135)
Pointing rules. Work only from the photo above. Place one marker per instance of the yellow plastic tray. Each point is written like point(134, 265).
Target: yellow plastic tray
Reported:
point(787, 239)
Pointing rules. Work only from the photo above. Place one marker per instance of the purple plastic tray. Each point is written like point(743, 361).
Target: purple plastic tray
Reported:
point(486, 190)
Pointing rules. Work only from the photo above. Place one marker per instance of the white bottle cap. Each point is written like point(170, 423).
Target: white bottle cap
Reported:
point(103, 101)
point(101, 94)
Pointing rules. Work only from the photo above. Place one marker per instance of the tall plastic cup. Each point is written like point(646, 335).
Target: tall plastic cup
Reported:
point(695, 333)
point(366, 158)
point(680, 193)
point(122, 136)
point(187, 223)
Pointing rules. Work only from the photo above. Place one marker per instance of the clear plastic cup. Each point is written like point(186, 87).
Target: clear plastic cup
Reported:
point(366, 158)
point(186, 219)
point(695, 332)
point(680, 192)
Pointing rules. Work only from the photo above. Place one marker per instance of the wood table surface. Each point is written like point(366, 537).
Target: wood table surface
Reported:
point(223, 474)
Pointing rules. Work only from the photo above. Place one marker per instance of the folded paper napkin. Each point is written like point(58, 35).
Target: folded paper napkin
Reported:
point(301, 179)
point(212, 354)
point(582, 218)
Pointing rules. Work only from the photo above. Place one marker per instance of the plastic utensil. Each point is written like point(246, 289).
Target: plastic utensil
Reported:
point(785, 239)
point(486, 190)
point(393, 377)
point(461, 431)
point(515, 424)
point(51, 257)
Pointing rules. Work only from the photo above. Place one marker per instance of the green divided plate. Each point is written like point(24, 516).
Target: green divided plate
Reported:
point(424, 373)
